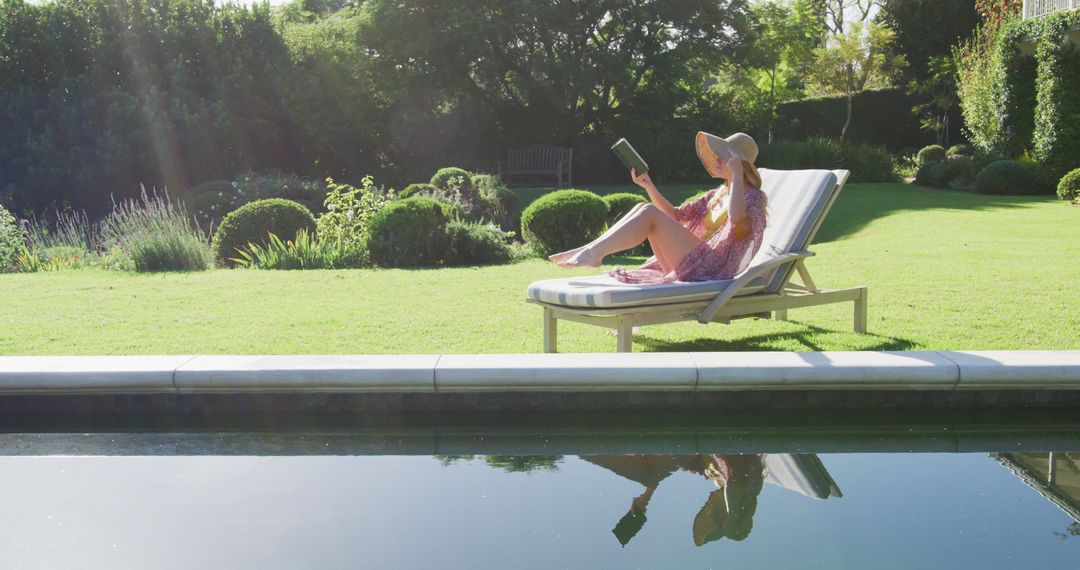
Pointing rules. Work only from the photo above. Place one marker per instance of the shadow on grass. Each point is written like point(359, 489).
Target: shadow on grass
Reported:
point(764, 342)
point(860, 204)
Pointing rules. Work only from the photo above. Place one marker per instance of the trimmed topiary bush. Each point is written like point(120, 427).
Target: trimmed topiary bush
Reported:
point(470, 243)
point(564, 219)
point(485, 181)
point(408, 233)
point(453, 177)
point(1069, 186)
point(418, 189)
point(12, 239)
point(955, 171)
point(1010, 177)
point(931, 153)
point(960, 150)
point(253, 222)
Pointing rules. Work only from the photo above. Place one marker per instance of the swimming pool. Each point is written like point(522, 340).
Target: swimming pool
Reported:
point(894, 491)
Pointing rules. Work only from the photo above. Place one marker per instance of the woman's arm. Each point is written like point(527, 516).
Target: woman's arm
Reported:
point(740, 222)
point(655, 196)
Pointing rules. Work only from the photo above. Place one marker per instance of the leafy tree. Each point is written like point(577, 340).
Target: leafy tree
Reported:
point(926, 29)
point(503, 73)
point(998, 11)
point(940, 89)
point(853, 61)
point(840, 15)
point(784, 40)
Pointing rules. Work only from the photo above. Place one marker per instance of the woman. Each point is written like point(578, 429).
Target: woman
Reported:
point(712, 237)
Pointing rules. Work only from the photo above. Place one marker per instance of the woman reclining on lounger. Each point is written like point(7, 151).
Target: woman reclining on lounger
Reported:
point(712, 237)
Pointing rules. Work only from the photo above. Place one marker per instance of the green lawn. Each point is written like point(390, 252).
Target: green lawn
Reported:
point(946, 270)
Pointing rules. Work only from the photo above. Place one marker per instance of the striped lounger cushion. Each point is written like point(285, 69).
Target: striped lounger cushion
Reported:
point(796, 201)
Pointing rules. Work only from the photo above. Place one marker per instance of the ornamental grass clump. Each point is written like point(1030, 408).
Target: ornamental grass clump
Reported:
point(305, 251)
point(155, 234)
point(70, 242)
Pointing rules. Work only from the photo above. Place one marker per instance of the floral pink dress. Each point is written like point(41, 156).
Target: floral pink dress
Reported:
point(721, 256)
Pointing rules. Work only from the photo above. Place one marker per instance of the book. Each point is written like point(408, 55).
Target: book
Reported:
point(629, 156)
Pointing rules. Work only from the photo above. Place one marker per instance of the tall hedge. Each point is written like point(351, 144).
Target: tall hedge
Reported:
point(881, 117)
point(1015, 103)
point(1057, 113)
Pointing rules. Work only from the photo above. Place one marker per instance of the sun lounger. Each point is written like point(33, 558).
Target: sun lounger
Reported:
point(798, 203)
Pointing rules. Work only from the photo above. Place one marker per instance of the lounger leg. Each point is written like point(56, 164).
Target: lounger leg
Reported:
point(551, 331)
point(860, 312)
point(780, 315)
point(625, 334)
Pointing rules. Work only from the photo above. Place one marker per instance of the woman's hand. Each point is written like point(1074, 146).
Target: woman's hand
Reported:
point(734, 165)
point(655, 197)
point(642, 179)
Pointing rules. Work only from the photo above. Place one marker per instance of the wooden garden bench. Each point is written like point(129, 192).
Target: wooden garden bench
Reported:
point(540, 159)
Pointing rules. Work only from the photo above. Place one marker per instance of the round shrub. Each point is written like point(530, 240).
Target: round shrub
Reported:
point(1069, 186)
point(254, 221)
point(470, 243)
point(408, 233)
point(1006, 177)
point(931, 153)
point(12, 238)
point(445, 176)
point(960, 150)
point(564, 219)
point(418, 189)
point(481, 182)
point(867, 163)
point(621, 203)
point(954, 171)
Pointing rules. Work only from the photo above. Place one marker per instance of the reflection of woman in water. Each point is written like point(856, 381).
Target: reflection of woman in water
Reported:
point(729, 510)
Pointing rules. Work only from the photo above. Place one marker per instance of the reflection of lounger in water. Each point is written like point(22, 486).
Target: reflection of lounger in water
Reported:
point(729, 511)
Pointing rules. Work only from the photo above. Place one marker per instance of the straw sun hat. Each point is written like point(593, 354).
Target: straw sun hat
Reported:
point(711, 148)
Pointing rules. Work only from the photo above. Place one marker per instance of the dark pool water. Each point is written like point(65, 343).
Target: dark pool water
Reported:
point(776, 510)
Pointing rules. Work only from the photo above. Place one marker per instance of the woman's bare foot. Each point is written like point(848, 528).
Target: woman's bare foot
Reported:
point(584, 258)
point(560, 258)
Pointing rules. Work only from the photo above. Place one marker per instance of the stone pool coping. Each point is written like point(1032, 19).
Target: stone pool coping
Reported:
point(515, 373)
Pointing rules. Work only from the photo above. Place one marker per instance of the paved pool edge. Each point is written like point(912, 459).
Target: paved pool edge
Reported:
point(593, 373)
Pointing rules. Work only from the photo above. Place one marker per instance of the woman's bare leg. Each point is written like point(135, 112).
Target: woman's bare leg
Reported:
point(566, 255)
point(670, 240)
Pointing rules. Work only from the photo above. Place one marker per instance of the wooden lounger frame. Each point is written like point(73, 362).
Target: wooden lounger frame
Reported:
point(737, 300)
